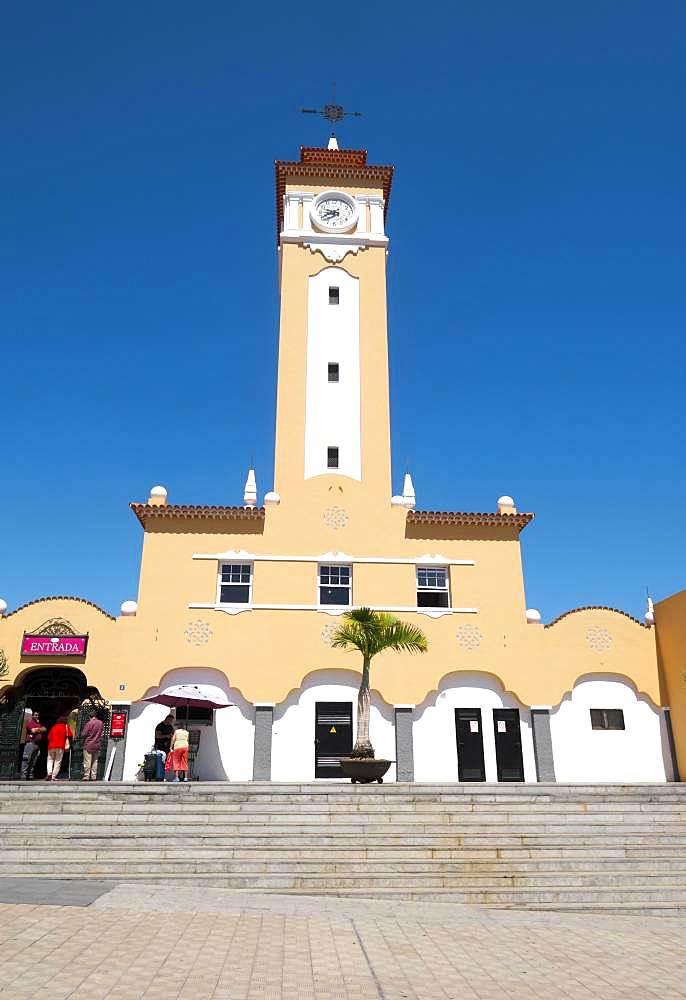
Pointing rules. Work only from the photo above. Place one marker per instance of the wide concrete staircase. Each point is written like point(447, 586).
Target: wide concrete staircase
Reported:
point(616, 848)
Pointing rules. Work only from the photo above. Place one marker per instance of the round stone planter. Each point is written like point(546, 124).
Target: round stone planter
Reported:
point(364, 769)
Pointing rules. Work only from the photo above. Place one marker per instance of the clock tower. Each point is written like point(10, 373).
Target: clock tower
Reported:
point(332, 415)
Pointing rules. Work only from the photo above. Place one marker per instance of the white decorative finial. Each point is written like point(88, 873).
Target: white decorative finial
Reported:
point(3, 607)
point(158, 496)
point(506, 505)
point(649, 616)
point(129, 608)
point(333, 142)
point(533, 616)
point(250, 489)
point(272, 497)
point(408, 491)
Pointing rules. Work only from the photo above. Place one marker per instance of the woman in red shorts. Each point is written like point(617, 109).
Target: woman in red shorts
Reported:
point(179, 751)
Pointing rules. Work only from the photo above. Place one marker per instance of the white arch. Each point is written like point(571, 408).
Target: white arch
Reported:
point(226, 748)
point(293, 733)
point(434, 734)
point(639, 752)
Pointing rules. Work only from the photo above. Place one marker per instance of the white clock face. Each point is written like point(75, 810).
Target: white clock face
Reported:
point(334, 213)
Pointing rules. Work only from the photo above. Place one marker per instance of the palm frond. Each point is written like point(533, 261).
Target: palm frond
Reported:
point(371, 632)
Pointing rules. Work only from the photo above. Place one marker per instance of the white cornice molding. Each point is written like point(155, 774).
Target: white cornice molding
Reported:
point(236, 609)
point(240, 555)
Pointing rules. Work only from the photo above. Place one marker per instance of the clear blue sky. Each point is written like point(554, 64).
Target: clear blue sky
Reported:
point(537, 306)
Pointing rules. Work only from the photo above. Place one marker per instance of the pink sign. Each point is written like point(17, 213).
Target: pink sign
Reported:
point(54, 645)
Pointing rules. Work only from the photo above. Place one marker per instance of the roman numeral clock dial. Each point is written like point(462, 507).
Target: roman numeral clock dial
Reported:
point(334, 212)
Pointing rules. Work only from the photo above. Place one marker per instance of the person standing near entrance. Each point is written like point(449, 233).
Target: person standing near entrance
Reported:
point(58, 741)
point(92, 742)
point(179, 750)
point(34, 735)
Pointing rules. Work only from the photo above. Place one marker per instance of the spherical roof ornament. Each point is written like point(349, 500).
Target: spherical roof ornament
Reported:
point(506, 501)
point(129, 608)
point(158, 491)
point(533, 616)
point(272, 497)
point(3, 607)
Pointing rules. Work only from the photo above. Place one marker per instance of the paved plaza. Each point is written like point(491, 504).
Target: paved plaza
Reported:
point(95, 940)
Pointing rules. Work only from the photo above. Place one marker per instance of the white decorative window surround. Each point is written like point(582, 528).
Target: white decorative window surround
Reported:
point(236, 609)
point(240, 555)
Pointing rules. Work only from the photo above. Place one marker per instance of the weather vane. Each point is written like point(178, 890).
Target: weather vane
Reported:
point(332, 112)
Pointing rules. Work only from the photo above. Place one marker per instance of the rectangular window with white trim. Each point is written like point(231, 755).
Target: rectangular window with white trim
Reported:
point(432, 587)
point(235, 583)
point(335, 585)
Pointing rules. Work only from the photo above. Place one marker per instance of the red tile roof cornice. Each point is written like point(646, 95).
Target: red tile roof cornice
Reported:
point(347, 164)
point(469, 518)
point(148, 512)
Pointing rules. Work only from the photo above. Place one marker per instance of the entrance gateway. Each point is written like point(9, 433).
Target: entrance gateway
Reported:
point(470, 744)
point(333, 737)
point(52, 692)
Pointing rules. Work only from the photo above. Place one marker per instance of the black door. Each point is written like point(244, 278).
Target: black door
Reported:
point(508, 744)
point(333, 737)
point(470, 745)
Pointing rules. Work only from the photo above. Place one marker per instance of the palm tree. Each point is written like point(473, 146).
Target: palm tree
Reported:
point(370, 632)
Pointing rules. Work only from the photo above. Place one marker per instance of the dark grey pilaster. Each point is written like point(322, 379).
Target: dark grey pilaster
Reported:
point(117, 772)
point(670, 743)
point(543, 744)
point(404, 753)
point(262, 759)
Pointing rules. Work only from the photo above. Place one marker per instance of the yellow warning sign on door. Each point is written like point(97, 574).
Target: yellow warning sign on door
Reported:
point(333, 729)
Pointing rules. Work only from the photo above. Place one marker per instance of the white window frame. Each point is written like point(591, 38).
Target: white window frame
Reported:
point(234, 604)
point(432, 590)
point(337, 566)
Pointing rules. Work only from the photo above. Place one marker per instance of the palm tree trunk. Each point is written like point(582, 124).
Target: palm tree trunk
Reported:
point(363, 747)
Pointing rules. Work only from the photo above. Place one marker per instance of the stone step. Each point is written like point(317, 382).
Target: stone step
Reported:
point(201, 859)
point(352, 849)
point(471, 890)
point(374, 877)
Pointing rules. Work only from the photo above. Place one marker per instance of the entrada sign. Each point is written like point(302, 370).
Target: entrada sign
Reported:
point(54, 645)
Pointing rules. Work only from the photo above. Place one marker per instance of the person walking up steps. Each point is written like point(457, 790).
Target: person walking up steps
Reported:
point(34, 735)
point(92, 742)
point(58, 741)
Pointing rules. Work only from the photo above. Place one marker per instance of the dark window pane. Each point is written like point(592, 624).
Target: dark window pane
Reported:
point(334, 295)
point(333, 372)
point(194, 716)
point(432, 598)
point(607, 718)
point(234, 593)
point(334, 595)
point(332, 458)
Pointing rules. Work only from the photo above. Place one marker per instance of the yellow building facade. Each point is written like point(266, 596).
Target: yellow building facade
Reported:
point(242, 600)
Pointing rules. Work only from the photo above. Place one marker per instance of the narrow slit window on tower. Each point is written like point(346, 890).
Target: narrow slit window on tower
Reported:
point(332, 458)
point(333, 371)
point(334, 295)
